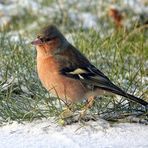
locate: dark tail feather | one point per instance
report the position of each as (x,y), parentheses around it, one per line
(114,89)
(131,97)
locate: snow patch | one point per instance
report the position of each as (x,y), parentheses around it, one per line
(46,133)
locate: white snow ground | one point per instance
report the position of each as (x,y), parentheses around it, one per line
(98,134)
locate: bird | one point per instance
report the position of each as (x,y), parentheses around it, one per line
(65,72)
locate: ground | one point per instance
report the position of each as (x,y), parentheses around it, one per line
(47,134)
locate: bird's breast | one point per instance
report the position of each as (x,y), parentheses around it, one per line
(47,69)
(62,86)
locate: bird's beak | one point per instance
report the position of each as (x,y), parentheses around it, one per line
(37,42)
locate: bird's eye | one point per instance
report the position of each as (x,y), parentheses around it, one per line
(44,39)
(47,39)
(40,38)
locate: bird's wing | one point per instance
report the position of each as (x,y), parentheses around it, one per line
(75,65)
(91,76)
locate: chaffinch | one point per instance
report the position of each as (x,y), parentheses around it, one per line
(67,73)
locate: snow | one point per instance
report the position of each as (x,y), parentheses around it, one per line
(137,6)
(47,133)
(76,10)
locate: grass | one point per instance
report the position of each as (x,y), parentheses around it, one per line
(122,56)
(23,98)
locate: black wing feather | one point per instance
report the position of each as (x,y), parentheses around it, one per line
(92,76)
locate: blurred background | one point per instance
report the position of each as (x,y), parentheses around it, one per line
(25,16)
(113,34)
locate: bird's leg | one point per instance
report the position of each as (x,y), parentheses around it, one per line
(88,105)
(67,111)
(69,115)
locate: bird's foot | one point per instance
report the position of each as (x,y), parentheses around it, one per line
(66,113)
(71,115)
(85,115)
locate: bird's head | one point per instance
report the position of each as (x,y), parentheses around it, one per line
(50,40)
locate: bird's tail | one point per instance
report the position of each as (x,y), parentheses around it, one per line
(116,90)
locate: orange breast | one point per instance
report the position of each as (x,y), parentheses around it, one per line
(59,85)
